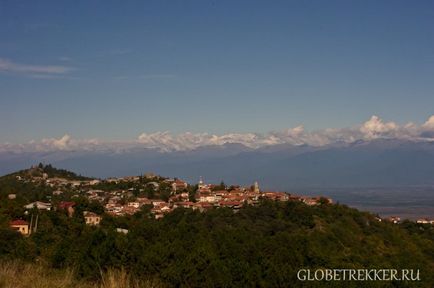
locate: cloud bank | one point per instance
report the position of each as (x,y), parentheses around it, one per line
(374,128)
(9,66)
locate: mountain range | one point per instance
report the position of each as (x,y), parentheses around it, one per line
(376,162)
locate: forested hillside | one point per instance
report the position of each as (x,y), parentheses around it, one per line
(261,246)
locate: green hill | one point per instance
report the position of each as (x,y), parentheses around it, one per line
(52,172)
(261,246)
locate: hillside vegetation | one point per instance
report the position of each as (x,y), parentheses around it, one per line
(258,246)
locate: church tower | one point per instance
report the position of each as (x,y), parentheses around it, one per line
(200,184)
(256,187)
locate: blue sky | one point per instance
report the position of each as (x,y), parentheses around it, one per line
(113,70)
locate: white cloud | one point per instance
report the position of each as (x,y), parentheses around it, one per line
(429,124)
(61,143)
(374,128)
(299,130)
(32,70)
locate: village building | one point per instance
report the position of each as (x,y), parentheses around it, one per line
(57,192)
(94,182)
(91,218)
(38,205)
(122,230)
(203,206)
(134,204)
(186,204)
(157,202)
(277,196)
(67,206)
(393,219)
(179,185)
(129,210)
(20,226)
(231,204)
(207,197)
(144,201)
(423,221)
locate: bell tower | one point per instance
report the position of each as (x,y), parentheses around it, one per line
(256,187)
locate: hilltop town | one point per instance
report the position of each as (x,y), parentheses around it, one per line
(129,195)
(155,195)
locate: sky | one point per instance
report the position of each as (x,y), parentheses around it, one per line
(113,70)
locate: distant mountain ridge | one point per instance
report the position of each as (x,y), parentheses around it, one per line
(385,162)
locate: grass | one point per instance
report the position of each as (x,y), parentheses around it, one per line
(16,274)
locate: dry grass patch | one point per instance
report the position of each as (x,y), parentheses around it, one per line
(25,275)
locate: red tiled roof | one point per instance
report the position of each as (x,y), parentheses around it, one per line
(184,203)
(65,204)
(220,191)
(230,203)
(18,222)
(204,204)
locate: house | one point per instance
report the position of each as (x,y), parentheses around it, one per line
(67,206)
(394,219)
(187,204)
(179,185)
(74,183)
(130,178)
(207,197)
(155,185)
(94,182)
(130,210)
(292,197)
(423,221)
(310,201)
(157,202)
(134,204)
(281,196)
(12,196)
(231,204)
(20,226)
(114,209)
(144,201)
(38,205)
(122,230)
(165,209)
(91,218)
(113,180)
(202,206)
(149,175)
(114,199)
(57,192)
(317,200)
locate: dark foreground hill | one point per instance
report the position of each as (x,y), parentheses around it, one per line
(261,246)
